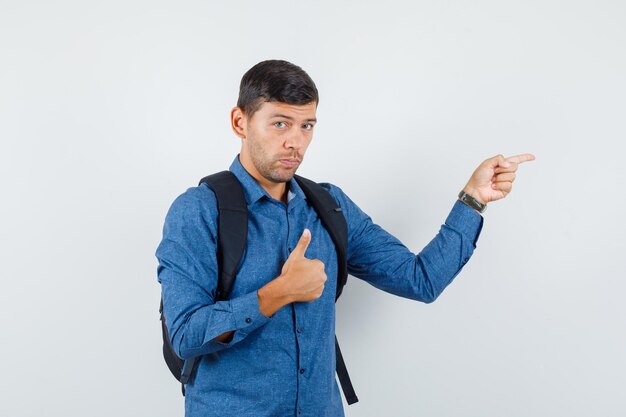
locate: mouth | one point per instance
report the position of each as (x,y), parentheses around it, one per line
(289,162)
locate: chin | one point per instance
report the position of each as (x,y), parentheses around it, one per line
(283,174)
(279,179)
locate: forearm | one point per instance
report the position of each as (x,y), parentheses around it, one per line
(199,326)
(218,325)
(446,254)
(273,296)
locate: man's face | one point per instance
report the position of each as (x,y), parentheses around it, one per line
(276,138)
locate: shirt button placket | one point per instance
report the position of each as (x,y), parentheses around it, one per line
(299,329)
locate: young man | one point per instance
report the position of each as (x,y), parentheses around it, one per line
(269,350)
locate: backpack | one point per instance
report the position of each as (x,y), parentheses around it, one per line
(232,235)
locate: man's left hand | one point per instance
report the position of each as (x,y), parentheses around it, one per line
(493,179)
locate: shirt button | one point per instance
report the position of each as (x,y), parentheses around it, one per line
(299,330)
(299,411)
(301,370)
(248,320)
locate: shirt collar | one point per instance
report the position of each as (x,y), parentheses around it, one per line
(253,190)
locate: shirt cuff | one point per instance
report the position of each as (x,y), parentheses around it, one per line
(466,220)
(247,313)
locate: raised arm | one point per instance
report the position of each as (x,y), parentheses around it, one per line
(379,258)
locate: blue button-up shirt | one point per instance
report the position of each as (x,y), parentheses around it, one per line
(283,365)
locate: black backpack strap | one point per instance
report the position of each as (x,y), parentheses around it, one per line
(344,378)
(232,228)
(335,223)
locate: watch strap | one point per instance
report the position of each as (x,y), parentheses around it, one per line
(472,202)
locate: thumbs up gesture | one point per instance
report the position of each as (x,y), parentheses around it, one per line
(303,278)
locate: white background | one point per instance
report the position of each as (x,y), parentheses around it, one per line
(109,110)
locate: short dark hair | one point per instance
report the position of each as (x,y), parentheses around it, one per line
(275,80)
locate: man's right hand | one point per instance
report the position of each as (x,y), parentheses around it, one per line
(303,278)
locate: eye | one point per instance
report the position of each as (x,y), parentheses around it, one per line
(277,123)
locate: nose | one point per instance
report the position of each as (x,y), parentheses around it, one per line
(295,140)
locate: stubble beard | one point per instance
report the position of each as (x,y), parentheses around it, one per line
(266,164)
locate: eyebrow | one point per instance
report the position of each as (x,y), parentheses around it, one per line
(290,118)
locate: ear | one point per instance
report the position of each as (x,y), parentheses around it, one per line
(238,122)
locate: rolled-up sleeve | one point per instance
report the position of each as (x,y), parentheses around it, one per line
(379,258)
(187,272)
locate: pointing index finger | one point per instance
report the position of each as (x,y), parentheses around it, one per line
(518,159)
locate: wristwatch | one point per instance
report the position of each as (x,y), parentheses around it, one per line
(472,202)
